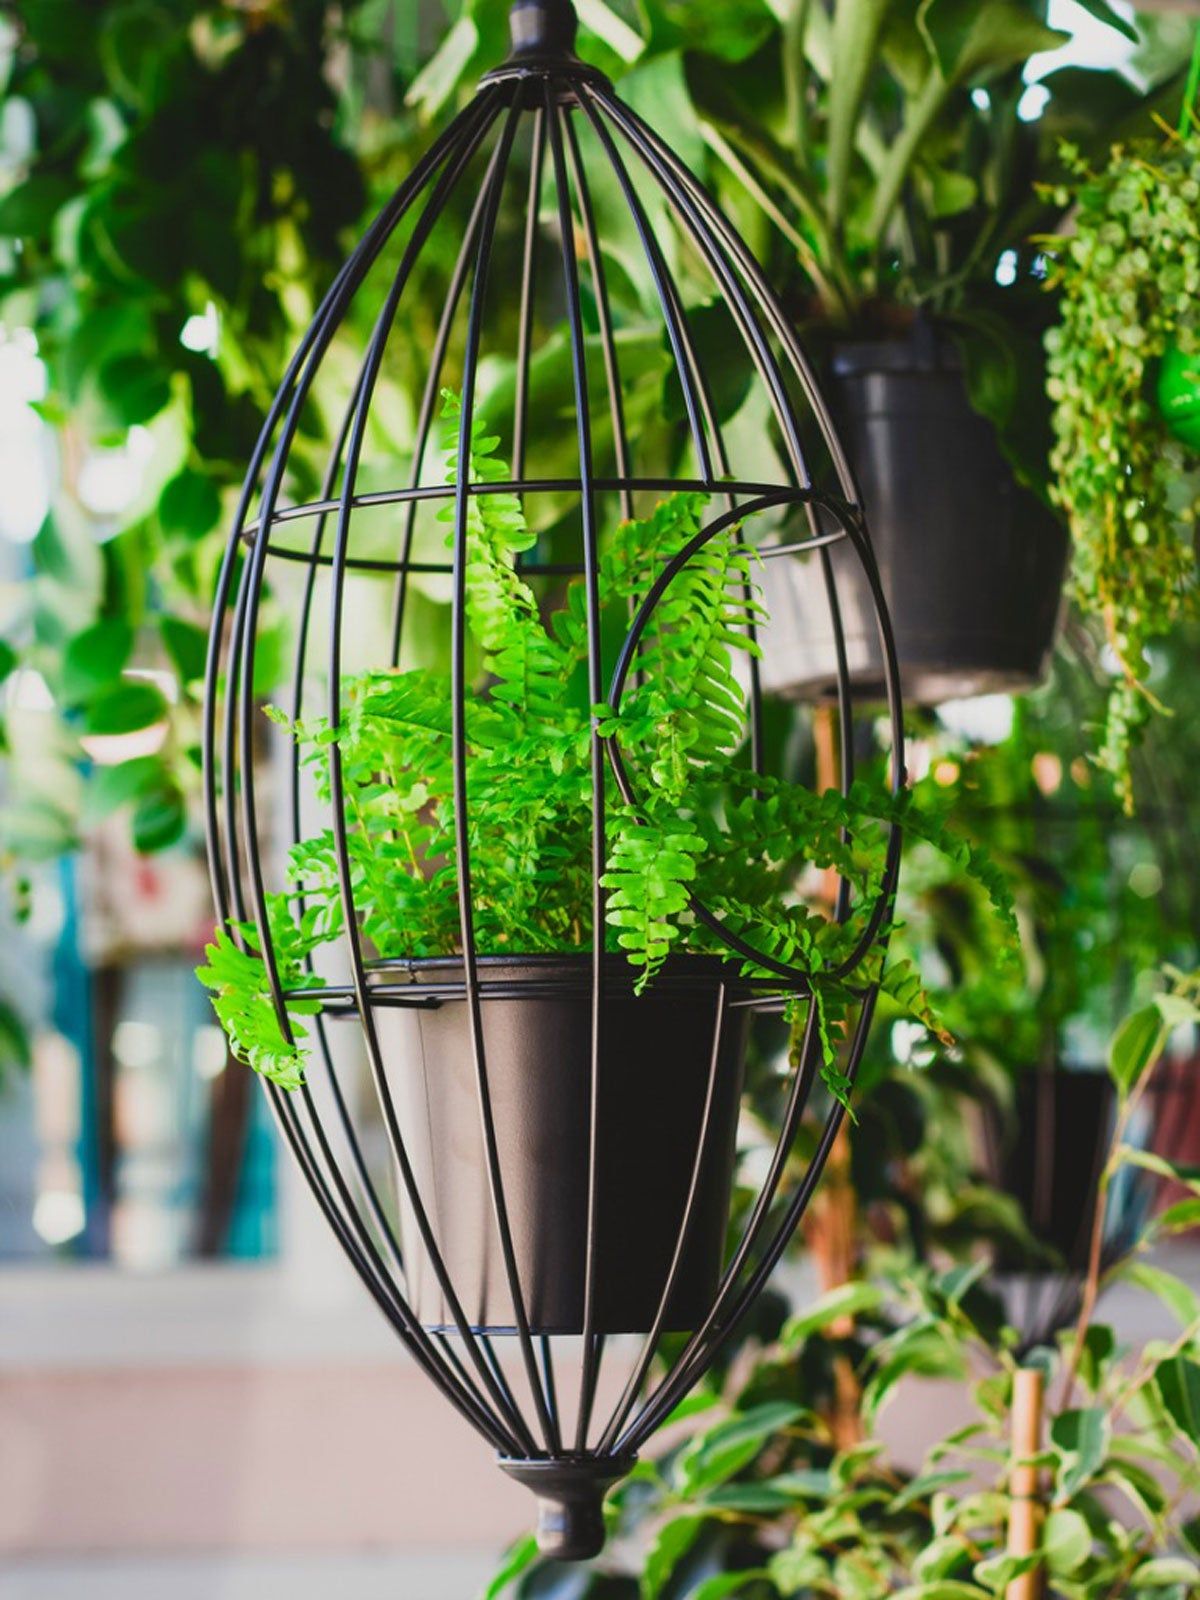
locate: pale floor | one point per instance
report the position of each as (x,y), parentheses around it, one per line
(432,1576)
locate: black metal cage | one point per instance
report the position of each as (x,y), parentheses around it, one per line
(484,1190)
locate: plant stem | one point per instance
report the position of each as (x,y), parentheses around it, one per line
(1091,1282)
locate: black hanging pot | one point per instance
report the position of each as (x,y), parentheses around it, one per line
(655,1065)
(972,563)
(1051,1158)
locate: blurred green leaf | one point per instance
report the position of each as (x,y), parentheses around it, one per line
(1178,1382)
(1137,1043)
(135,388)
(1079,1439)
(159,820)
(671,1544)
(723,1450)
(1066,1540)
(114,786)
(125,707)
(95,657)
(189,504)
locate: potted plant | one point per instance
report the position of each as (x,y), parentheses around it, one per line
(707,829)
(902,176)
(1125,390)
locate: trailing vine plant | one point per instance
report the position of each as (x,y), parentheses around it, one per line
(705,824)
(1129,280)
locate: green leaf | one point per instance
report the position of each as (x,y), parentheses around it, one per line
(943,1589)
(189,504)
(159,820)
(113,787)
(187,646)
(1178,1382)
(847,1300)
(27,211)
(1184,1214)
(728,1583)
(1189,1176)
(1079,1439)
(855,40)
(94,658)
(124,707)
(8,660)
(1066,1540)
(1161,1572)
(15,1046)
(671,1544)
(1137,1043)
(518,1559)
(717,1454)
(1181,1300)
(135,388)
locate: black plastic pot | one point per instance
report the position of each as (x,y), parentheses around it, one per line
(1051,1161)
(655,1060)
(972,563)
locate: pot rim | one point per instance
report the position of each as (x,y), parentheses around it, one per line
(547,974)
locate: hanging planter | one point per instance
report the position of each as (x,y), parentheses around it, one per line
(1122,376)
(533,871)
(972,563)
(1048,1155)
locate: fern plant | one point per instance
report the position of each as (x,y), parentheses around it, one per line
(704,825)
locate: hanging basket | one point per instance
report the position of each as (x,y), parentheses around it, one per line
(972,563)
(513,1095)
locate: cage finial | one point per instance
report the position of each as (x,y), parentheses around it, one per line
(543,29)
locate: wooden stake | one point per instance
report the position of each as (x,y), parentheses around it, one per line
(1025,1514)
(831,1222)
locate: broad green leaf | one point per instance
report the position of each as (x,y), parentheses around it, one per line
(797,1569)
(1180,1299)
(187,646)
(604,22)
(95,658)
(1137,1043)
(135,389)
(124,707)
(1149,1161)
(672,1543)
(1178,1382)
(728,1584)
(716,1455)
(518,1559)
(1162,1572)
(27,211)
(1080,1441)
(847,1300)
(112,787)
(855,40)
(159,820)
(969,41)
(189,504)
(927,1483)
(1184,1214)
(1066,1540)
(998,1571)
(8,659)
